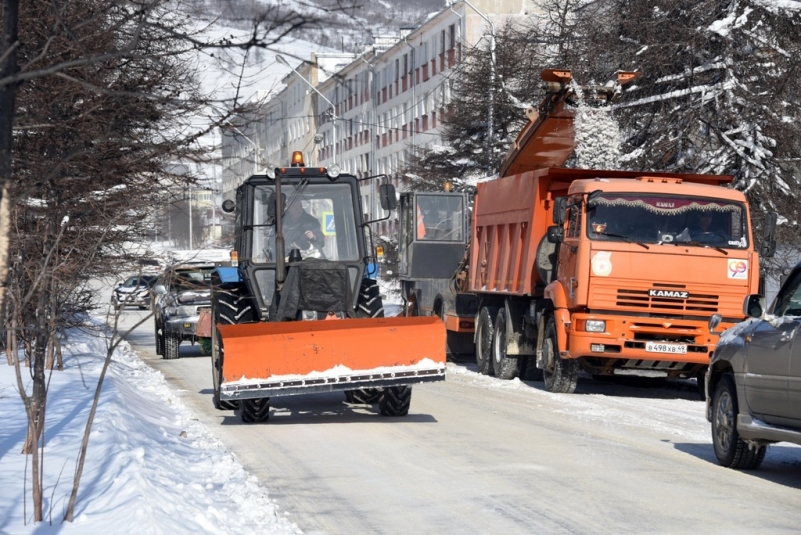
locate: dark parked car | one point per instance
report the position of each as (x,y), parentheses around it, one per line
(180,292)
(754,379)
(134,291)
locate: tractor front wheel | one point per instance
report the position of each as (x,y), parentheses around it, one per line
(369,305)
(254,411)
(396,401)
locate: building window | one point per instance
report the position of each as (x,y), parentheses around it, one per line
(442,43)
(451,36)
(397,69)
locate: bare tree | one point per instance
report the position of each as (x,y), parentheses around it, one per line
(101,105)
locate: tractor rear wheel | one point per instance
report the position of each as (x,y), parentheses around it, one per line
(253,411)
(369,305)
(228,307)
(395,401)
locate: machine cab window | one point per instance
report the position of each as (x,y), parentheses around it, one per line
(318,221)
(440,218)
(668,219)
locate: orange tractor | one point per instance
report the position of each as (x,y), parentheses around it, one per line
(298,312)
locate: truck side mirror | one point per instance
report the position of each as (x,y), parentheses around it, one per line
(555,234)
(754,306)
(769,235)
(559,210)
(228,206)
(386,193)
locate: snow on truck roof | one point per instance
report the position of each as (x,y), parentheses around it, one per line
(651,184)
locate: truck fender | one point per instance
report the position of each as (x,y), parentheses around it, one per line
(562,323)
(556,294)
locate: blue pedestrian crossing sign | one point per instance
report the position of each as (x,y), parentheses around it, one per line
(329,228)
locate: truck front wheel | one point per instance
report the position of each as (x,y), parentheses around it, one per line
(485,332)
(560,375)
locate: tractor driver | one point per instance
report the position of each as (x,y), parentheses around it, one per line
(301,230)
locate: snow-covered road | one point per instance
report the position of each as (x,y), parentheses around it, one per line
(480,455)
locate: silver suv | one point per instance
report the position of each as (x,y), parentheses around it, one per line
(179,294)
(753,382)
(134,291)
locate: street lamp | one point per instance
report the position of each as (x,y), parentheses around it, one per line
(255,146)
(280,59)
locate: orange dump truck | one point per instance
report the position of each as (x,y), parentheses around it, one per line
(613,272)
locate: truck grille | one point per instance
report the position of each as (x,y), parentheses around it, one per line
(641,299)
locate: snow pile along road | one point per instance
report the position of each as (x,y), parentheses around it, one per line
(150,467)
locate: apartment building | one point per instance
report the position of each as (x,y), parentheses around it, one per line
(367,112)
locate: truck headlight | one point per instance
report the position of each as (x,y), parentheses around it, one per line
(595,326)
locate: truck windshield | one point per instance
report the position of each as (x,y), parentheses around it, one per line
(439,218)
(318,221)
(666,219)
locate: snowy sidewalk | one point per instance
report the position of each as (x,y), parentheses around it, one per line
(150,467)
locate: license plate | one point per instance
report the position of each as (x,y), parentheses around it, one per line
(659,347)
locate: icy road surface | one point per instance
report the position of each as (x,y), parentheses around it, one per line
(481,455)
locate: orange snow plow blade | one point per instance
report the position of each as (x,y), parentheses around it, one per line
(285,358)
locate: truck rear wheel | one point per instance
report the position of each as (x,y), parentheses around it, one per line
(228,307)
(485,332)
(560,375)
(172,344)
(395,401)
(505,367)
(253,411)
(369,305)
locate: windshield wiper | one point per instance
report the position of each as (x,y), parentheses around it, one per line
(699,244)
(624,238)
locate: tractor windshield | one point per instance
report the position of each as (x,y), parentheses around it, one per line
(666,219)
(318,221)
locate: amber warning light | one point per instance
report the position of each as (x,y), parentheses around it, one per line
(297,159)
